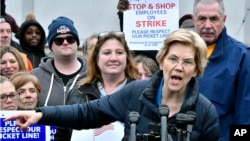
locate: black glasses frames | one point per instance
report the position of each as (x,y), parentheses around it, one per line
(12,96)
(59,41)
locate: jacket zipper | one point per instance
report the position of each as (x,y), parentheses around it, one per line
(64,94)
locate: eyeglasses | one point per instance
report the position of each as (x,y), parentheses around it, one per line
(12,96)
(185,62)
(70,39)
(105,33)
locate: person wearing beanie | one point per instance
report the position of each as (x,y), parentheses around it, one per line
(60,72)
(32,39)
(62,25)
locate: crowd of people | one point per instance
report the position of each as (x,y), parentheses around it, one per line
(199,68)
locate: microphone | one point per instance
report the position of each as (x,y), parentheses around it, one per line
(133,118)
(164,111)
(181,123)
(192,118)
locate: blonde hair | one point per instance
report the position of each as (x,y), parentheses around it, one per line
(186,37)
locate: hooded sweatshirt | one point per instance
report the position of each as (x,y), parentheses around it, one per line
(54,92)
(34,53)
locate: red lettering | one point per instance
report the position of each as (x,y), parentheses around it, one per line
(137,6)
(137,24)
(165,5)
(156,23)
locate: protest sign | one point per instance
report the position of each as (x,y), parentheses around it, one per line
(10,132)
(148,22)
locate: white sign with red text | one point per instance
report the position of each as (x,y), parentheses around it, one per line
(148,22)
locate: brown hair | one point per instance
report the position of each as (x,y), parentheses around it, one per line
(93,71)
(147,63)
(85,44)
(16,53)
(21,78)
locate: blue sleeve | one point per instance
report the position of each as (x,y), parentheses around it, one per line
(242,101)
(211,126)
(91,114)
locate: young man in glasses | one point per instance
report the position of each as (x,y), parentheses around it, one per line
(59,74)
(8,95)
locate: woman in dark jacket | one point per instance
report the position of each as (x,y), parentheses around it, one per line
(181,59)
(110,67)
(32,40)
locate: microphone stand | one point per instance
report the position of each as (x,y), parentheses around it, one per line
(192,118)
(180,134)
(164,111)
(185,122)
(181,123)
(133,118)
